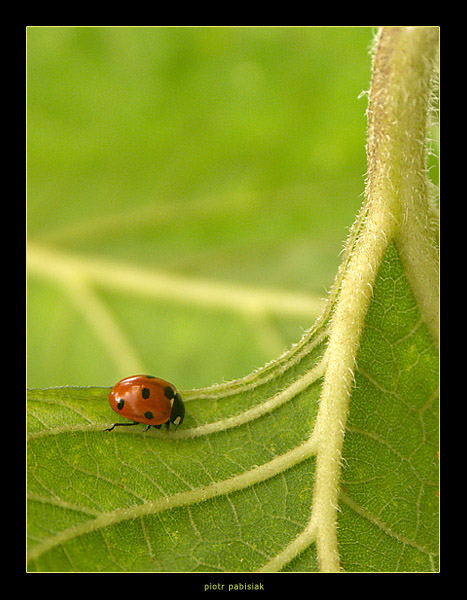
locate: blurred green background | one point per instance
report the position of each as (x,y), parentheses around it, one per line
(233,156)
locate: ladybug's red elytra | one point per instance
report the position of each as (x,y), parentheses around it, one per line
(146,399)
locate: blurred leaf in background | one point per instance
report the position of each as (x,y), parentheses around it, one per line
(189,193)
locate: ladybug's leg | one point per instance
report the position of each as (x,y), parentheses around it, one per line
(149,427)
(167,425)
(122,425)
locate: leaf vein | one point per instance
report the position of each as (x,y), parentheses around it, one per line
(233,484)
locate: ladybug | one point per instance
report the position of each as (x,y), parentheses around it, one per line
(146,399)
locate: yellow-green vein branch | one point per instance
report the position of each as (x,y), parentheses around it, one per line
(200,494)
(135,280)
(244,417)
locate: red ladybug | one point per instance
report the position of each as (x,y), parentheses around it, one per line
(146,399)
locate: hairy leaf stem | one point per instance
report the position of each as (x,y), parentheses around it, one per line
(395,210)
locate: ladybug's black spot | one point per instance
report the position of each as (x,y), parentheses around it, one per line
(148,414)
(120,404)
(145,393)
(150,376)
(169,393)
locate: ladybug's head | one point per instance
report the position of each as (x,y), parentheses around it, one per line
(178,410)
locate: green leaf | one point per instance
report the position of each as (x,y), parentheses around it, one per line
(324,459)
(159,152)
